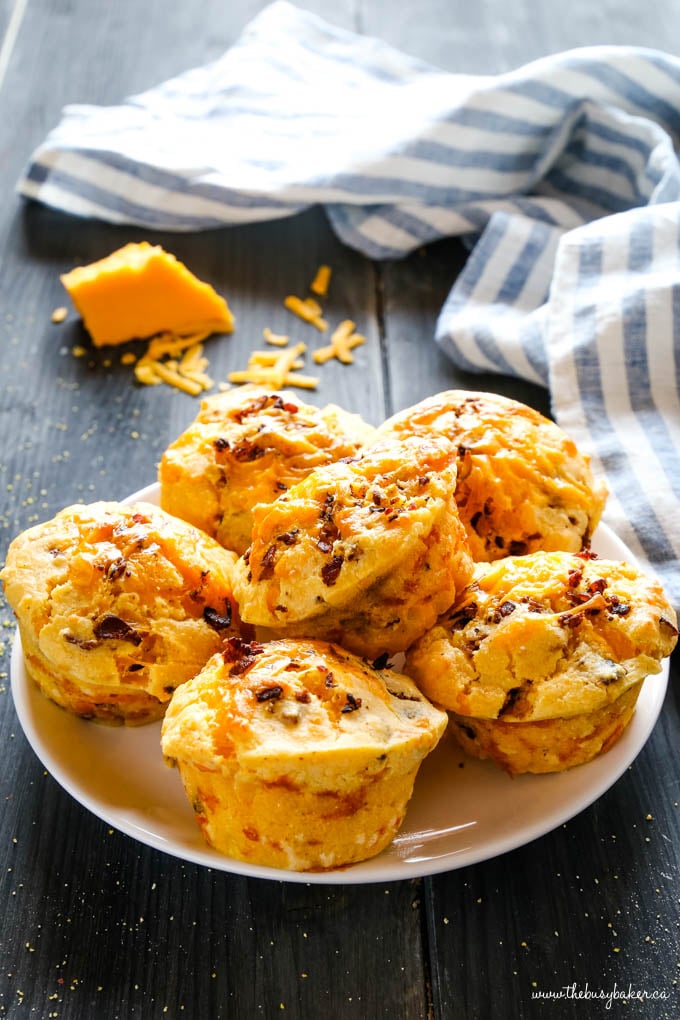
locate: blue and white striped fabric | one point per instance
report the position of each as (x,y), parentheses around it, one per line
(564,170)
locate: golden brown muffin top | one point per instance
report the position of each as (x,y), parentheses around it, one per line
(281,421)
(120,583)
(522,482)
(107,549)
(264,442)
(293,705)
(544,636)
(343,527)
(248,446)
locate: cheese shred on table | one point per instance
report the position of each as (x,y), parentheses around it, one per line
(274,339)
(178,360)
(276,370)
(319,284)
(343,340)
(308,310)
(187,374)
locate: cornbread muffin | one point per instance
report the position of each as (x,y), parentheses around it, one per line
(541,659)
(116,606)
(248,448)
(522,483)
(366,552)
(298,754)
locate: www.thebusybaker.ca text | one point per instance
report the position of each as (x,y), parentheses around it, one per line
(616,993)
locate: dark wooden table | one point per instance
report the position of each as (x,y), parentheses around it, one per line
(96,925)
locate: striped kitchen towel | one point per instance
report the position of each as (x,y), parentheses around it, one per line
(563,172)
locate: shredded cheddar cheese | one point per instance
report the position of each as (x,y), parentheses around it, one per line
(193,367)
(263,377)
(263,359)
(308,310)
(275,339)
(171,344)
(168,372)
(145,373)
(319,284)
(276,370)
(343,340)
(187,374)
(177,358)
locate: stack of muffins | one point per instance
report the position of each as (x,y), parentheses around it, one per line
(295,552)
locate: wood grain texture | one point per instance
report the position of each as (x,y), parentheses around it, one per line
(95,925)
(595,904)
(490,37)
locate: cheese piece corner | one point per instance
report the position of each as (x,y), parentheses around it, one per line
(140,290)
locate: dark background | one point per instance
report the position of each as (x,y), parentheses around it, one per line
(95,925)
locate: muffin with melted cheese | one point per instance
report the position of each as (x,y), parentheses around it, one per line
(366,552)
(117,605)
(541,659)
(246,448)
(522,483)
(298,754)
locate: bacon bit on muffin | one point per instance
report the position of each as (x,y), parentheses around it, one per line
(215,619)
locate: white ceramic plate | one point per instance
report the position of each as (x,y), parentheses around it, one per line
(463,811)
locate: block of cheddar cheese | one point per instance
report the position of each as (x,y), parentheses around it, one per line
(141,290)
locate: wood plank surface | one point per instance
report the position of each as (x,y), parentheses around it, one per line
(594,905)
(96,926)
